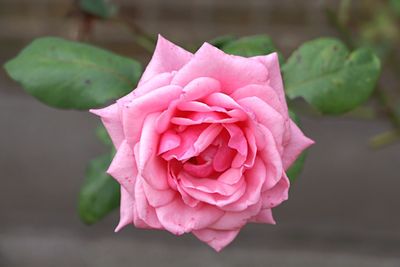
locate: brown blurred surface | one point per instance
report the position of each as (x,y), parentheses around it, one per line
(343,210)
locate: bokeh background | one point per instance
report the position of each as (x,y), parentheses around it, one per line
(344,210)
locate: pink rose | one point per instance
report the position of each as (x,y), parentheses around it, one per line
(203,143)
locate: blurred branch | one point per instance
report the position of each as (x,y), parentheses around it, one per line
(142,38)
(385,139)
(340,20)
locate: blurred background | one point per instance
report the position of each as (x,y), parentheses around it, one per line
(343,209)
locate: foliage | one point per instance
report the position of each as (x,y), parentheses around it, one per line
(73,75)
(329,77)
(100,192)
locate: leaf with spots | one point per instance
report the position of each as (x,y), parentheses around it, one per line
(329,77)
(72,75)
(100,193)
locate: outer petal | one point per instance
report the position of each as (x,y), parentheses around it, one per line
(271,62)
(265,216)
(123,168)
(276,195)
(178,218)
(236,220)
(111,118)
(126,209)
(298,142)
(217,239)
(265,93)
(167,57)
(231,71)
(144,211)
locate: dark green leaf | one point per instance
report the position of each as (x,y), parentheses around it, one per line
(294,171)
(395,5)
(221,41)
(250,46)
(100,193)
(103,135)
(66,74)
(329,77)
(100,8)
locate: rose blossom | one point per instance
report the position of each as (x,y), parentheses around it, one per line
(203,143)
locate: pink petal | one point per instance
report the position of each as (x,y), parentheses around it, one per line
(110,116)
(157,198)
(211,186)
(237,139)
(297,144)
(169,140)
(126,210)
(272,159)
(164,120)
(205,138)
(271,62)
(137,110)
(263,92)
(129,213)
(266,116)
(167,57)
(151,167)
(178,218)
(236,220)
(252,152)
(199,170)
(159,80)
(277,194)
(231,176)
(203,117)
(254,178)
(188,137)
(145,212)
(198,107)
(231,71)
(200,87)
(217,239)
(265,216)
(221,100)
(223,158)
(216,199)
(123,167)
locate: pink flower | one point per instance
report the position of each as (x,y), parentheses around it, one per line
(203,143)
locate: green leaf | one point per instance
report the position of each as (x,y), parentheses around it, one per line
(100,8)
(103,135)
(100,193)
(220,41)
(329,77)
(395,5)
(66,74)
(294,171)
(250,46)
